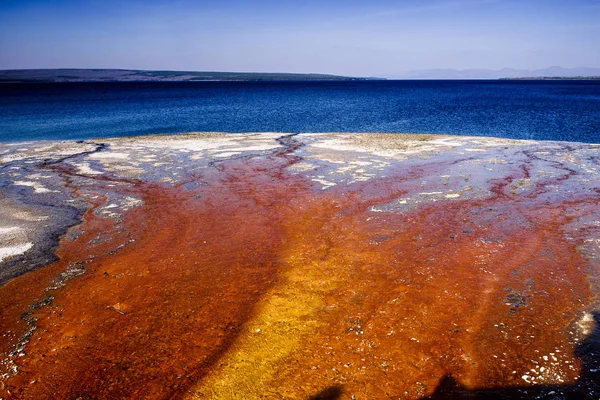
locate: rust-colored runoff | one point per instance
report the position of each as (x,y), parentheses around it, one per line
(258,285)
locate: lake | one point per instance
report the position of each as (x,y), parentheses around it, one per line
(540,110)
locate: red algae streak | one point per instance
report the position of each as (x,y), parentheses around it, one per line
(259,285)
(421,300)
(149,319)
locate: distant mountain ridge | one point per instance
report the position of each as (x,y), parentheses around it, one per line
(130,75)
(501,73)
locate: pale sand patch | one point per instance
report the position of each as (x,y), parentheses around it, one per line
(110,155)
(361,163)
(227,154)
(48,149)
(6,252)
(381,144)
(198,142)
(130,202)
(38,176)
(302,166)
(27,216)
(84,168)
(251,147)
(332,158)
(129,140)
(13,241)
(37,187)
(127,171)
(325,184)
(396,145)
(7,230)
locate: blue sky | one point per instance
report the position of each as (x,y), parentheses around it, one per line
(361,38)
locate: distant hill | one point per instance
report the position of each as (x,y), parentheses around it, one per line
(128,75)
(555,78)
(511,73)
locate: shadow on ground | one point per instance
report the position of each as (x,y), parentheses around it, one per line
(331,393)
(587,386)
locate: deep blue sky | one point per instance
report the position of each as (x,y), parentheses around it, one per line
(369,37)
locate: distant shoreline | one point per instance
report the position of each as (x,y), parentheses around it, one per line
(126,75)
(75,75)
(554,78)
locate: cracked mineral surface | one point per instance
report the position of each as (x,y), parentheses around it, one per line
(326,265)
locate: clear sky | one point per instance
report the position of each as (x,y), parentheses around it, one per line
(350,37)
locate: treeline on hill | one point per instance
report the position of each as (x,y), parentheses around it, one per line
(122,75)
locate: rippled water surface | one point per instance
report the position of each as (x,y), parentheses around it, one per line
(542,110)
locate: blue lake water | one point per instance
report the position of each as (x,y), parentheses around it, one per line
(541,110)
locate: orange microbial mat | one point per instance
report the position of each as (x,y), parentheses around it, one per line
(331,267)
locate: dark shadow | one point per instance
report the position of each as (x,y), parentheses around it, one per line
(331,393)
(587,386)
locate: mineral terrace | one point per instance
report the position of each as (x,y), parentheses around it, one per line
(311,266)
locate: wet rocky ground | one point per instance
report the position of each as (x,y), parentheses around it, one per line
(271,265)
